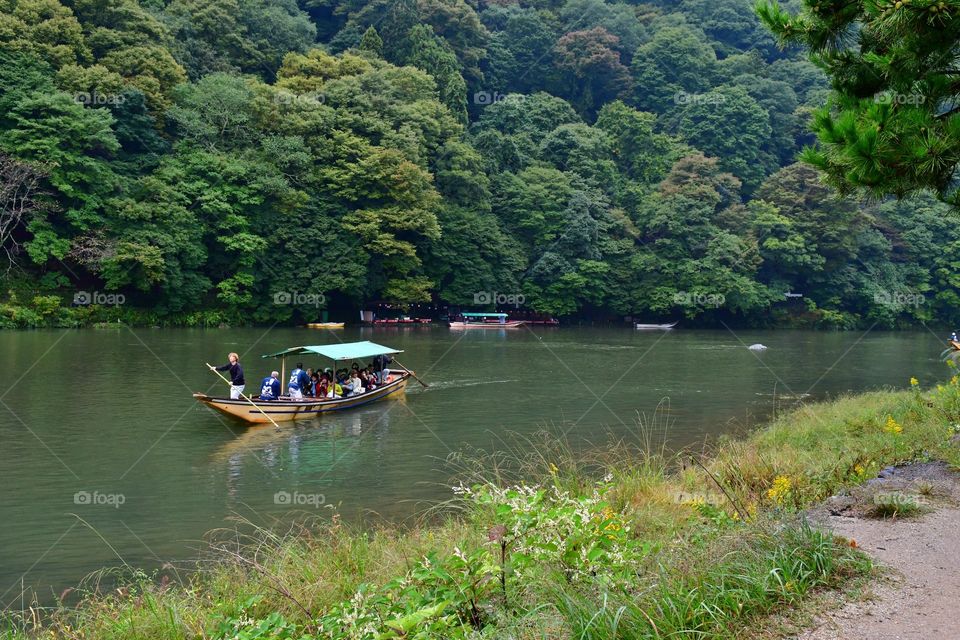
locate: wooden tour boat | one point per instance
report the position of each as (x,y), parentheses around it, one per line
(486,321)
(252,409)
(324,325)
(655,327)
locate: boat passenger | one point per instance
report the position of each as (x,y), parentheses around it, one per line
(237,382)
(323,385)
(314,384)
(367,379)
(356,385)
(270,386)
(335,390)
(298,382)
(953,336)
(380,364)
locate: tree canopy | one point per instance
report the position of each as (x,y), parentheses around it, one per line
(601,158)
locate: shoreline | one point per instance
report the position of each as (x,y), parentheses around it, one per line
(500,546)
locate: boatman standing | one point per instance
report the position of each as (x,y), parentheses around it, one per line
(270,387)
(298,382)
(236,375)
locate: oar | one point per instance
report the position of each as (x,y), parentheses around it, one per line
(425,385)
(214,369)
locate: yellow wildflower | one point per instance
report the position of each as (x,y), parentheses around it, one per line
(858,468)
(893,426)
(954,380)
(553,469)
(914,382)
(779,490)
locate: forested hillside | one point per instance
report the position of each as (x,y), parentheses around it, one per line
(201,160)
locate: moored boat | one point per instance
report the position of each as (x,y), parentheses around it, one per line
(404,321)
(485,321)
(655,327)
(325,325)
(252,409)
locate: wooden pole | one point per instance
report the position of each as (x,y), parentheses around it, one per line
(214,369)
(425,385)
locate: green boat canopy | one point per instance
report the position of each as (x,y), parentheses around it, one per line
(484,315)
(340,351)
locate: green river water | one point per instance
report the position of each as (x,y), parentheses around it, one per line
(107,460)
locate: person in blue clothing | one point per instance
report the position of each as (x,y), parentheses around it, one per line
(299,380)
(270,387)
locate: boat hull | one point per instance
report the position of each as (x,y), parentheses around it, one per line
(513,324)
(404,322)
(286,410)
(325,325)
(655,327)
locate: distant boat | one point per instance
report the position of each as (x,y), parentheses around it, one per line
(324,325)
(252,409)
(486,321)
(404,321)
(655,327)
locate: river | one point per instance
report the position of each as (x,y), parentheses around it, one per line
(107,460)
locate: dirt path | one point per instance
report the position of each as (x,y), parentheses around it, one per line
(919,595)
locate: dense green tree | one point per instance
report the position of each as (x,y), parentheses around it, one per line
(39,124)
(520,53)
(595,73)
(677,62)
(432,54)
(209,156)
(641,153)
(617,18)
(245,35)
(728,124)
(892,126)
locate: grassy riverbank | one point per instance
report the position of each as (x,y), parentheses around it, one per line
(620,543)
